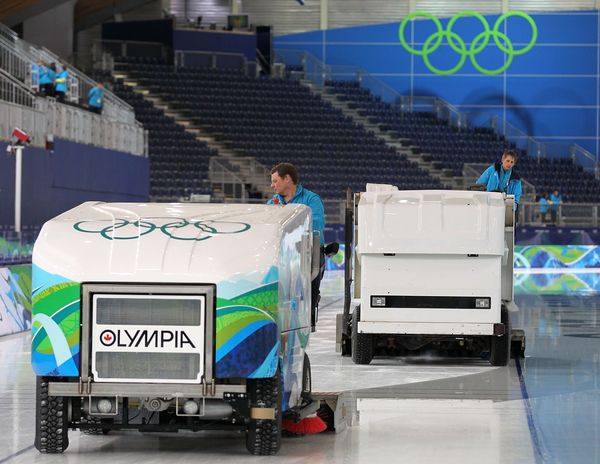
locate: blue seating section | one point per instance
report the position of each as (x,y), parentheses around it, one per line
(278,120)
(178,162)
(450,148)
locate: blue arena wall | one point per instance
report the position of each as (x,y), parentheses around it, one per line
(54,182)
(550,93)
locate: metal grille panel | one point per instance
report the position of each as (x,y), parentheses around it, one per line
(148,311)
(343,13)
(285,16)
(159,366)
(448,8)
(549,5)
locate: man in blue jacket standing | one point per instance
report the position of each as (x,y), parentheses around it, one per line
(284,180)
(46,81)
(501,177)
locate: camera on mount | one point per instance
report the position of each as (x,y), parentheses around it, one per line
(20,138)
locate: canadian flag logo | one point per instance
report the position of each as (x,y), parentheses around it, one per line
(107,337)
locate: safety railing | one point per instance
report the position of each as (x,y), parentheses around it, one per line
(563,214)
(335,211)
(7,33)
(14,91)
(224,181)
(71,123)
(135,48)
(22,64)
(214,60)
(12,62)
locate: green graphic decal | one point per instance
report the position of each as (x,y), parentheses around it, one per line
(55,324)
(175,228)
(478,44)
(247,333)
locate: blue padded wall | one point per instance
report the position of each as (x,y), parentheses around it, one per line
(551,93)
(73,173)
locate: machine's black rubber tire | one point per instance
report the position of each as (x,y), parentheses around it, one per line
(306,377)
(91,420)
(95,420)
(263,436)
(51,420)
(362,344)
(500,346)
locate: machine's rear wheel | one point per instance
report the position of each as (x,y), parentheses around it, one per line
(51,420)
(362,344)
(263,436)
(500,346)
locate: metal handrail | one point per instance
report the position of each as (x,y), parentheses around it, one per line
(47,116)
(180,61)
(14,91)
(7,33)
(229,182)
(563,214)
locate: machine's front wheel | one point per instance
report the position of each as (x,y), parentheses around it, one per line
(500,346)
(51,420)
(263,436)
(361,344)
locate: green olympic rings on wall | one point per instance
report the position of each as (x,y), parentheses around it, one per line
(458,45)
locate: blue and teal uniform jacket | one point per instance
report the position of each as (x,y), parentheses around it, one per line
(496,179)
(306,197)
(95,96)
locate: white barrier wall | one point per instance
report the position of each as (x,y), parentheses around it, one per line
(15,299)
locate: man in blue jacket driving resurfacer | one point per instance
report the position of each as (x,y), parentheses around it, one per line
(502,177)
(284,181)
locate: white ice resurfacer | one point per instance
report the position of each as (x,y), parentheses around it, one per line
(430,268)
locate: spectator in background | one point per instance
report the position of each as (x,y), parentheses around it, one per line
(60,84)
(555,200)
(47,75)
(501,177)
(95,98)
(543,201)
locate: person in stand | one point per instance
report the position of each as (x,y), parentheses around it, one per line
(543,201)
(284,181)
(95,98)
(47,75)
(60,84)
(555,200)
(502,177)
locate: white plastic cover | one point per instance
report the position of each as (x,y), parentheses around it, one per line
(431,222)
(166,242)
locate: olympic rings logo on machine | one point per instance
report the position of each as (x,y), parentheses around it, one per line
(458,45)
(181,229)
